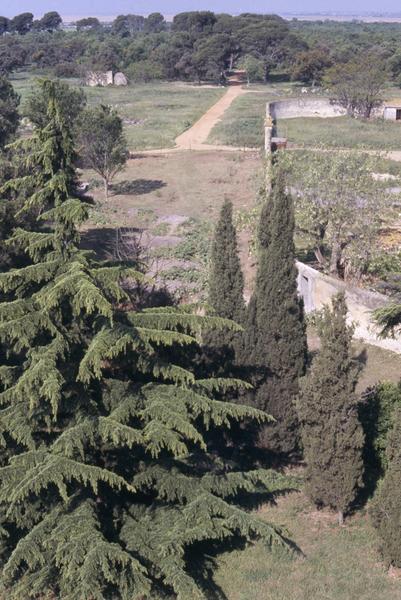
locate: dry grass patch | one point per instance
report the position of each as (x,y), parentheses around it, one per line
(337,563)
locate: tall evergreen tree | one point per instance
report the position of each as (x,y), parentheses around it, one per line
(105,479)
(386,507)
(332,435)
(9,121)
(226,294)
(9,117)
(226,281)
(275,346)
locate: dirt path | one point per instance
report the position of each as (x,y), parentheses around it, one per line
(198,134)
(195,137)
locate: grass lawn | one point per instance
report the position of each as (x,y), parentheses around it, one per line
(338,563)
(242,124)
(154,114)
(343,132)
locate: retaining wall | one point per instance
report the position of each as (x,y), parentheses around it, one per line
(317,289)
(303,107)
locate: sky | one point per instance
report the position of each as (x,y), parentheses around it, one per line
(169,7)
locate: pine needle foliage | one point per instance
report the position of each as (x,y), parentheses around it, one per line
(275,347)
(332,435)
(106,480)
(386,507)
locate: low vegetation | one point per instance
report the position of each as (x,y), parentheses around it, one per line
(341,132)
(153,114)
(336,564)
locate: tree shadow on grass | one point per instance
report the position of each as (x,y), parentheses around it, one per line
(203,560)
(136,187)
(104,241)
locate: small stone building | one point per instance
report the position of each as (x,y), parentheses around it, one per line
(103,79)
(392,110)
(120,79)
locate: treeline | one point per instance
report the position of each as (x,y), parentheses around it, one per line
(198,45)
(195,46)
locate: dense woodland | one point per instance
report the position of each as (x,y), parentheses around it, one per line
(137,434)
(195,46)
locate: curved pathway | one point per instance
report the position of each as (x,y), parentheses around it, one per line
(195,137)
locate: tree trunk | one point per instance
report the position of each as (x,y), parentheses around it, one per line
(335,258)
(106,189)
(340,515)
(319,255)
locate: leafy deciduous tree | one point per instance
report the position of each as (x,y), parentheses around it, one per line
(339,207)
(358,85)
(310,65)
(102,144)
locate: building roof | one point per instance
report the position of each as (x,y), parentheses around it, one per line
(393,103)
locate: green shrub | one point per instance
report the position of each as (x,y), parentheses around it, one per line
(145,71)
(376,415)
(386,507)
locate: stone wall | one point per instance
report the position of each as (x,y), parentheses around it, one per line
(303,107)
(317,289)
(390,113)
(103,79)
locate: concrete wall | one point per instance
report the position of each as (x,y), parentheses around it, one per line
(390,113)
(303,107)
(317,289)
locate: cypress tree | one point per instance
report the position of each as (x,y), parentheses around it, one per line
(9,117)
(226,281)
(105,477)
(275,347)
(386,507)
(226,295)
(332,435)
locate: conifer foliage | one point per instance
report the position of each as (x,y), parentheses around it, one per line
(105,477)
(332,435)
(9,117)
(226,282)
(386,508)
(275,341)
(226,294)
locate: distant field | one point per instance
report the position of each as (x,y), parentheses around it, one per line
(154,114)
(342,132)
